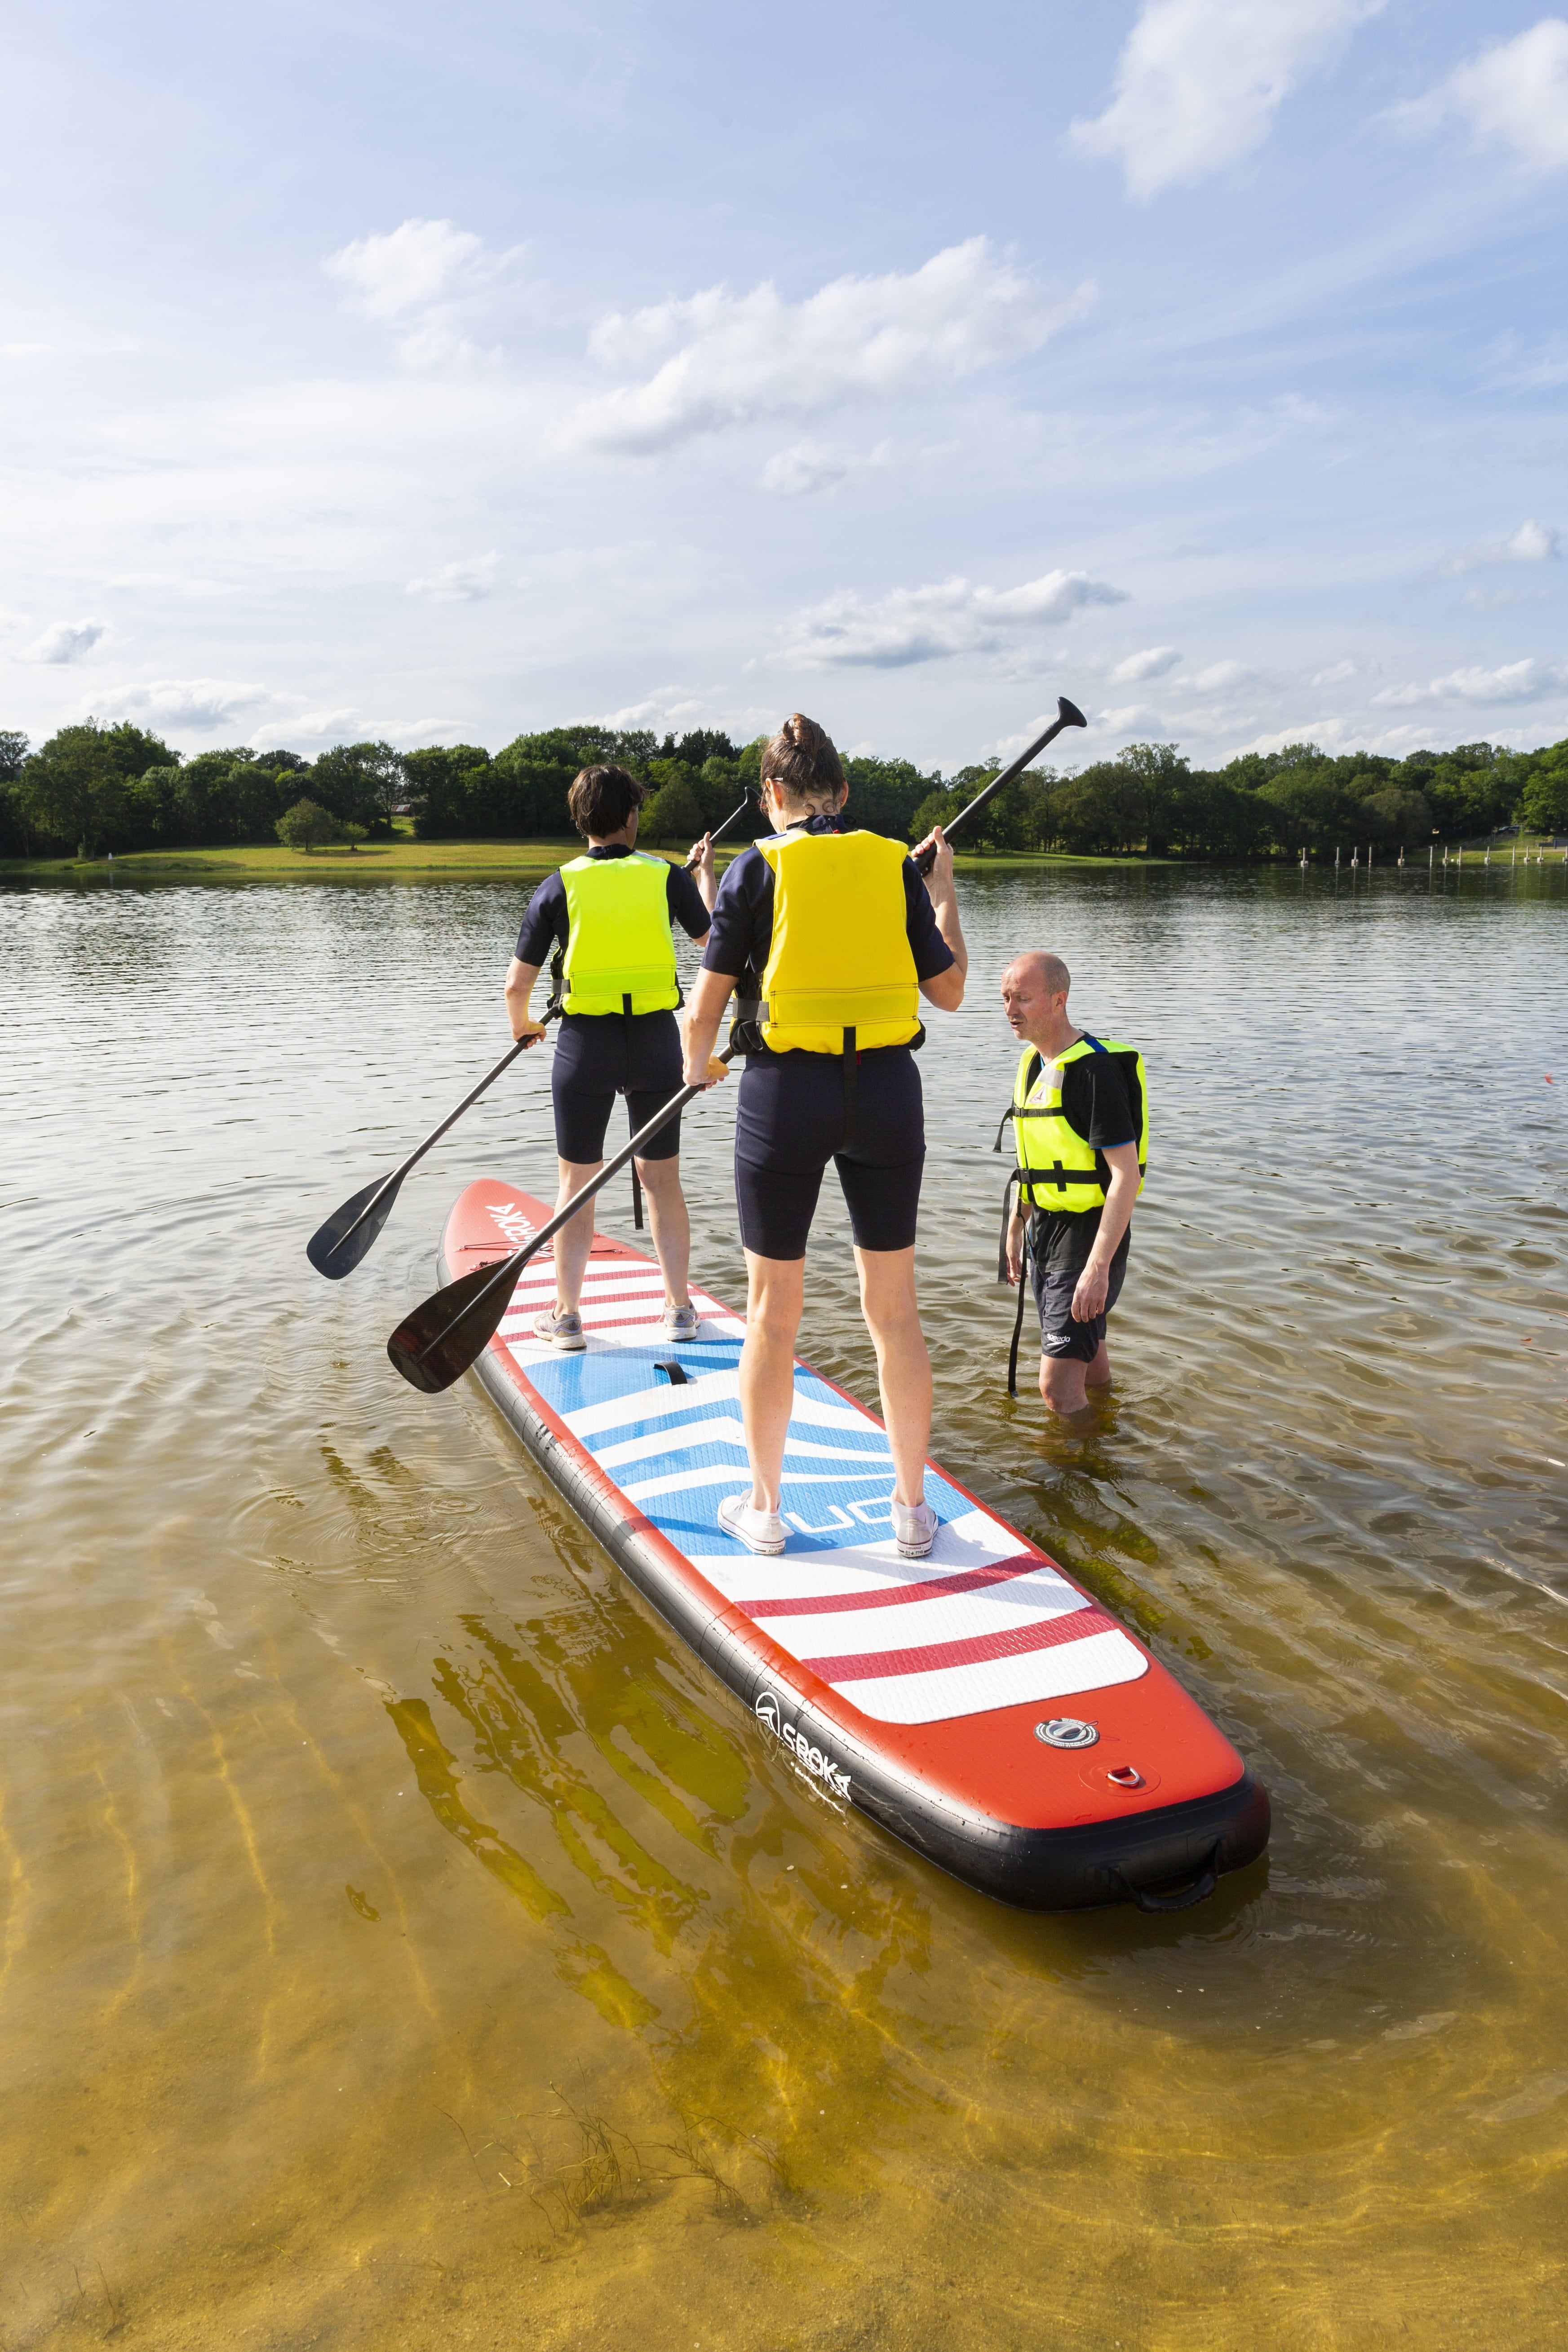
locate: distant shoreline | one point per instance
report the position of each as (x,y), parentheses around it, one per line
(414,861)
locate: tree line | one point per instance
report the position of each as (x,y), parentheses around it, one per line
(91,789)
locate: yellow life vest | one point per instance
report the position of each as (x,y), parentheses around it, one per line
(620,955)
(840,977)
(1057,1169)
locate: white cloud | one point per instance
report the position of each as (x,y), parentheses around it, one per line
(726,359)
(1199,81)
(198,702)
(1520,681)
(1513,96)
(1220,674)
(1129,716)
(310,726)
(65,641)
(465,581)
(411,268)
(947,617)
(422,278)
(1532,542)
(1154,663)
(795,473)
(1335,675)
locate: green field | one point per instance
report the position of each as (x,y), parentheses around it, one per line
(392,861)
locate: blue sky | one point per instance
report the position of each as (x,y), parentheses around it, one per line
(443,373)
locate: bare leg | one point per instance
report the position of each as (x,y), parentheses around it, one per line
(573,1241)
(1062,1384)
(660,1180)
(1098,1374)
(775,1289)
(903,1367)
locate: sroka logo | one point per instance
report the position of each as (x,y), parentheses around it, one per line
(514,1224)
(768,1710)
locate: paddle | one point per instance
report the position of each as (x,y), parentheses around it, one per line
(449,1330)
(336,1247)
(718,829)
(1069,715)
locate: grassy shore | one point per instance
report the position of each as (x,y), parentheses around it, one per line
(403,860)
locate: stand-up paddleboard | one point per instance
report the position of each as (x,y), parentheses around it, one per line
(978,1704)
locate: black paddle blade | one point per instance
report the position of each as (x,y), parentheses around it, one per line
(451,1330)
(1070,715)
(336,1247)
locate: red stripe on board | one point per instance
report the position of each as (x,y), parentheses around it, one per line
(865,1665)
(962,1580)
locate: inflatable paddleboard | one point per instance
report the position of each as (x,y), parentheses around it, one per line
(978,1704)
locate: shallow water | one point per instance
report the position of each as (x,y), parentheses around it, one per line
(406,1944)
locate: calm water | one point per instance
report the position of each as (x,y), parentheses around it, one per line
(403,1945)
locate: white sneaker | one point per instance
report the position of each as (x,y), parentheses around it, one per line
(761,1531)
(914,1528)
(562,1326)
(679,1322)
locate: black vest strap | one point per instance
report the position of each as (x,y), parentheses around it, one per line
(851,1072)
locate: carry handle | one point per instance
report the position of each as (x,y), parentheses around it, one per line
(1184,1898)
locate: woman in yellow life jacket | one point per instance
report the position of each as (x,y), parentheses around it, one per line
(1080,1127)
(608,915)
(834,940)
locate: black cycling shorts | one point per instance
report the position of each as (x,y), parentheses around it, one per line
(1059,1243)
(599,1056)
(792,1119)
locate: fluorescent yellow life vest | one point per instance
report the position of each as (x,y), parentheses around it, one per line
(620,956)
(840,977)
(1057,1169)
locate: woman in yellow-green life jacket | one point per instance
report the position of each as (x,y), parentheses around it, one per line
(833,940)
(1080,1127)
(609,917)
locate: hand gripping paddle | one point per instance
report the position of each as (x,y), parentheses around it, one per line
(1069,715)
(449,1330)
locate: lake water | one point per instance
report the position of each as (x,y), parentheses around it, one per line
(405,1944)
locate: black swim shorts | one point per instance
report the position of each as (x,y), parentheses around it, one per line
(1061,1241)
(792,1119)
(601,1054)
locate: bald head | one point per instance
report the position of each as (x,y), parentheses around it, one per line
(1034,999)
(1040,971)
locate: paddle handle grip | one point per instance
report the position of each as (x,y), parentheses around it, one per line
(1070,716)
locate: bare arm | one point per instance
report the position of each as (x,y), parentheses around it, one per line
(520,980)
(946,989)
(703,1014)
(1089,1298)
(700,866)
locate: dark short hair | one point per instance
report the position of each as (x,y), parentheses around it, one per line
(601,800)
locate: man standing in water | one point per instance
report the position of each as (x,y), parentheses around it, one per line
(1081,1120)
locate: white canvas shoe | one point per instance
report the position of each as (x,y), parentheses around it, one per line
(760,1531)
(914,1528)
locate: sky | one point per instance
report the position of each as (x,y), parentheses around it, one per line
(440,374)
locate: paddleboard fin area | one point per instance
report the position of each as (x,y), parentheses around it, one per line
(977,1703)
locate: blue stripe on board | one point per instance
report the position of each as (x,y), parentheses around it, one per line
(828,1503)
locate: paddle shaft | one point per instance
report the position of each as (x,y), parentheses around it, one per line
(926,858)
(728,821)
(417,1154)
(510,1269)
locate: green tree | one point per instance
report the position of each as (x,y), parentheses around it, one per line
(1543,803)
(1397,814)
(362,783)
(73,788)
(447,790)
(674,813)
(308,826)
